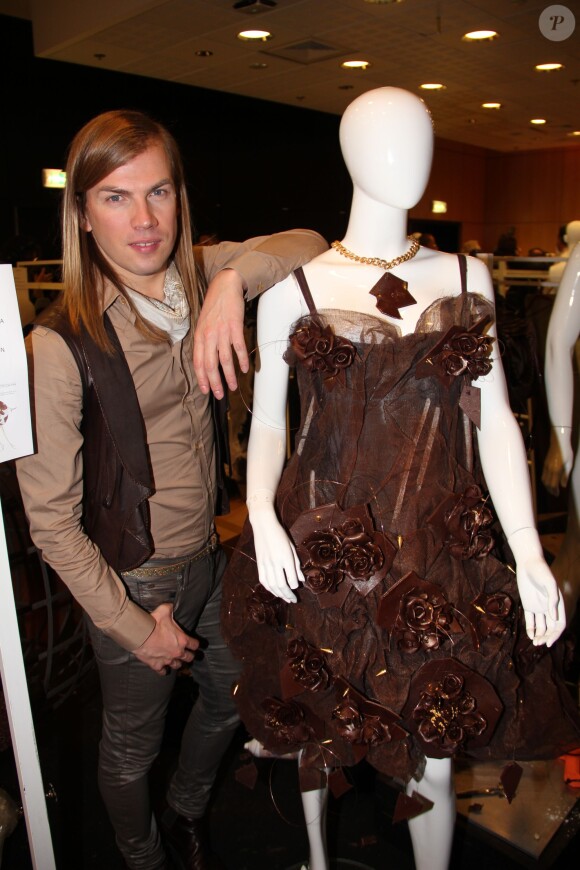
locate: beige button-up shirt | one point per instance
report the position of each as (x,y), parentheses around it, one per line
(180,440)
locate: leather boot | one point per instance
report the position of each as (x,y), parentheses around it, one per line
(186,841)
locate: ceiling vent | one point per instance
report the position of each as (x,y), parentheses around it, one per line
(307,51)
(254,7)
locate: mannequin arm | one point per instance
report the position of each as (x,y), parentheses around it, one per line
(563,331)
(505,468)
(277,562)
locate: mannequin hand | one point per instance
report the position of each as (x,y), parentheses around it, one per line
(542,602)
(278,565)
(557,469)
(220,327)
(167,645)
(540,596)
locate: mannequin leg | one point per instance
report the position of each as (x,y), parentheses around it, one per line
(314,804)
(258,751)
(432,832)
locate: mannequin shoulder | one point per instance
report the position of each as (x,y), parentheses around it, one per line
(281,305)
(439,273)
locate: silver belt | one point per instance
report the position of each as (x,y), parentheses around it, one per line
(150,569)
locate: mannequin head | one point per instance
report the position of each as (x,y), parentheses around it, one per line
(572,233)
(386,136)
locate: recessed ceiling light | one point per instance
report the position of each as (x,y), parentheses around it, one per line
(355,64)
(480,35)
(263,35)
(202,52)
(433,86)
(548,67)
(538,121)
(491,105)
(574,133)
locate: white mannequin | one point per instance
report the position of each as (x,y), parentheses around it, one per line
(571,237)
(387,143)
(563,331)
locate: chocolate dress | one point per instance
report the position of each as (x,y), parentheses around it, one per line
(408,637)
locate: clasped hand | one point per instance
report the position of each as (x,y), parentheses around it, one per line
(168,646)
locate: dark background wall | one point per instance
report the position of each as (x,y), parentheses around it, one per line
(253,167)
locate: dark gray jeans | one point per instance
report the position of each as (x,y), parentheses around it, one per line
(135,701)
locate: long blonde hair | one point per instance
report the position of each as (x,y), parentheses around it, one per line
(104,144)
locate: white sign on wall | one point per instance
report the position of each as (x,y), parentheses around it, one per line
(15,441)
(15,429)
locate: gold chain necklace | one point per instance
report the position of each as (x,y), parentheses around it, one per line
(376,261)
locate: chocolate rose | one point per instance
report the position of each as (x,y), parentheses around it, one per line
(417,611)
(424,621)
(452,363)
(453,736)
(409,641)
(493,614)
(308,665)
(264,608)
(318,349)
(342,354)
(287,719)
(430,640)
(473,723)
(342,546)
(374,731)
(465,343)
(468,524)
(358,727)
(349,720)
(499,604)
(352,530)
(477,368)
(321,580)
(361,559)
(447,714)
(459,352)
(324,547)
(451,686)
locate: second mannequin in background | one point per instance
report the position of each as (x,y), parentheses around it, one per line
(562,390)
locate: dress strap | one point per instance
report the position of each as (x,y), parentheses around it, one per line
(303,284)
(463,271)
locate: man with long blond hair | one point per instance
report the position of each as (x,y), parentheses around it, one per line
(123,487)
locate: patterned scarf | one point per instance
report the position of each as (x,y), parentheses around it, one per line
(172,314)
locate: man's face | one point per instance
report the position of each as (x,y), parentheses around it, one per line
(132,214)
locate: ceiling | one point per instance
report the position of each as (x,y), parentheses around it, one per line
(406,42)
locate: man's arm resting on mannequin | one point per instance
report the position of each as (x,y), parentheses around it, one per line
(250,268)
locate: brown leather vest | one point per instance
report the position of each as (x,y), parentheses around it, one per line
(117,475)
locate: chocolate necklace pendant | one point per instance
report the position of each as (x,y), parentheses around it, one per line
(392,294)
